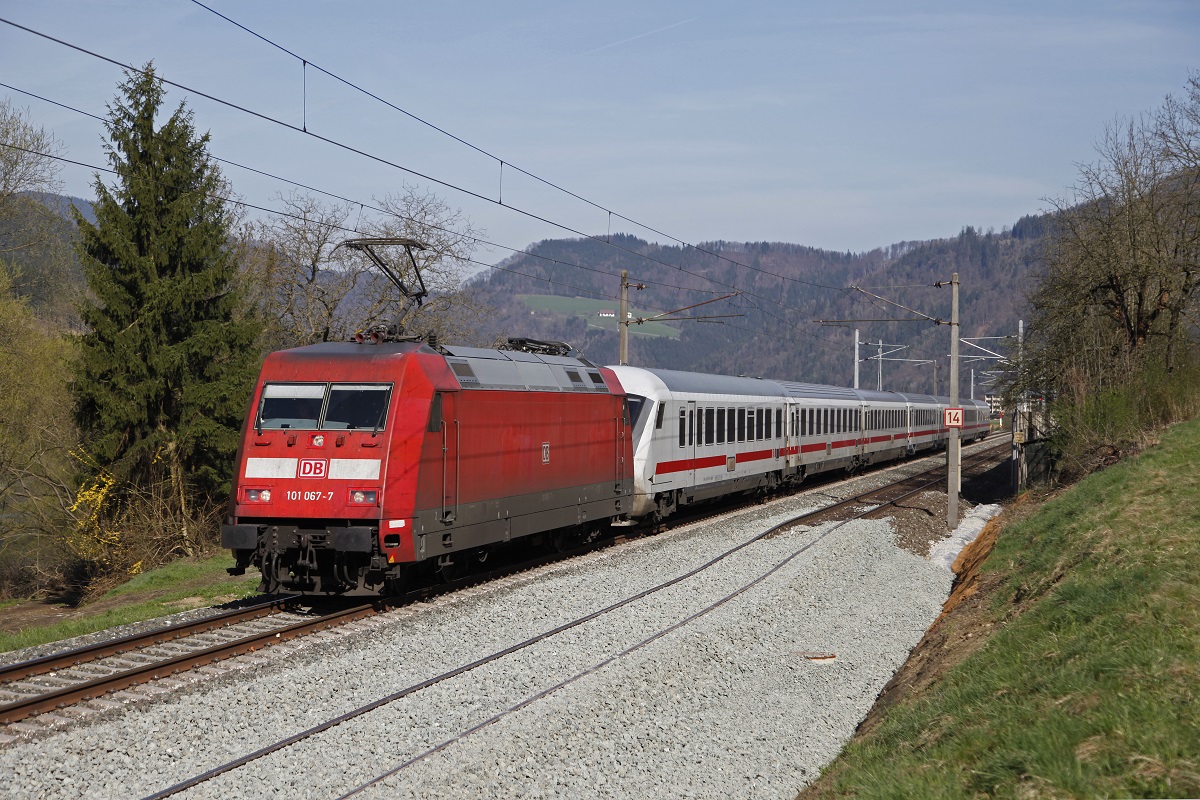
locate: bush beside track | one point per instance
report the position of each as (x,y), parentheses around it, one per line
(1072,668)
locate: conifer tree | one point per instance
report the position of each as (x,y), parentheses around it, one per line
(168,358)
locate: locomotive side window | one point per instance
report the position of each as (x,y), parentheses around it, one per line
(435,414)
(291,405)
(662,407)
(356,406)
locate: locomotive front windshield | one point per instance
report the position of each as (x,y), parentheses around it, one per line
(322,406)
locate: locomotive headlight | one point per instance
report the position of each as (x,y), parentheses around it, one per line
(366,497)
(258,495)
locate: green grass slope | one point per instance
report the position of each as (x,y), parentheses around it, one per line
(1088,687)
(179,586)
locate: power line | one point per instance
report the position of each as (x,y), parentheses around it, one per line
(344,229)
(305,62)
(265,117)
(677,267)
(362,205)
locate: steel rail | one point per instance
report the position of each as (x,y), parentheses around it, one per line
(89,690)
(877,507)
(52,699)
(81,655)
(772,531)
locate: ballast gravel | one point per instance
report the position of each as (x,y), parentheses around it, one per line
(748,699)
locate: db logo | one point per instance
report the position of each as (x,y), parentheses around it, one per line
(313,468)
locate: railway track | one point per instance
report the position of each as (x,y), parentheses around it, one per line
(871,503)
(49,684)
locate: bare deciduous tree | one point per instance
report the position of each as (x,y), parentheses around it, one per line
(312,291)
(27,157)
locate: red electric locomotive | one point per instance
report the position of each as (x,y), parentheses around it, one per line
(359,460)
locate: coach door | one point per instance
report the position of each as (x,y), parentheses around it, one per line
(445,417)
(623,426)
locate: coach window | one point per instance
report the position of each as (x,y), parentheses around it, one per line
(779,423)
(710,424)
(720,426)
(635,404)
(682,427)
(758,424)
(767,419)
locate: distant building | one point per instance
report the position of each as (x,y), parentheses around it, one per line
(606,312)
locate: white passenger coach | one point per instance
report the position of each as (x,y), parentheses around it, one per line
(697,437)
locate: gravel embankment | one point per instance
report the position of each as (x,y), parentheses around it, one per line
(726,706)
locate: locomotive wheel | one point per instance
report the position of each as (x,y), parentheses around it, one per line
(562,540)
(396,584)
(450,568)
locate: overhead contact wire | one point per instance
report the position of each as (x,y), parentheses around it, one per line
(497,158)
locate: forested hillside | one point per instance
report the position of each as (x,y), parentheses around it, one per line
(786,291)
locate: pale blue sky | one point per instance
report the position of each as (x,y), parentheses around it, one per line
(844,125)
